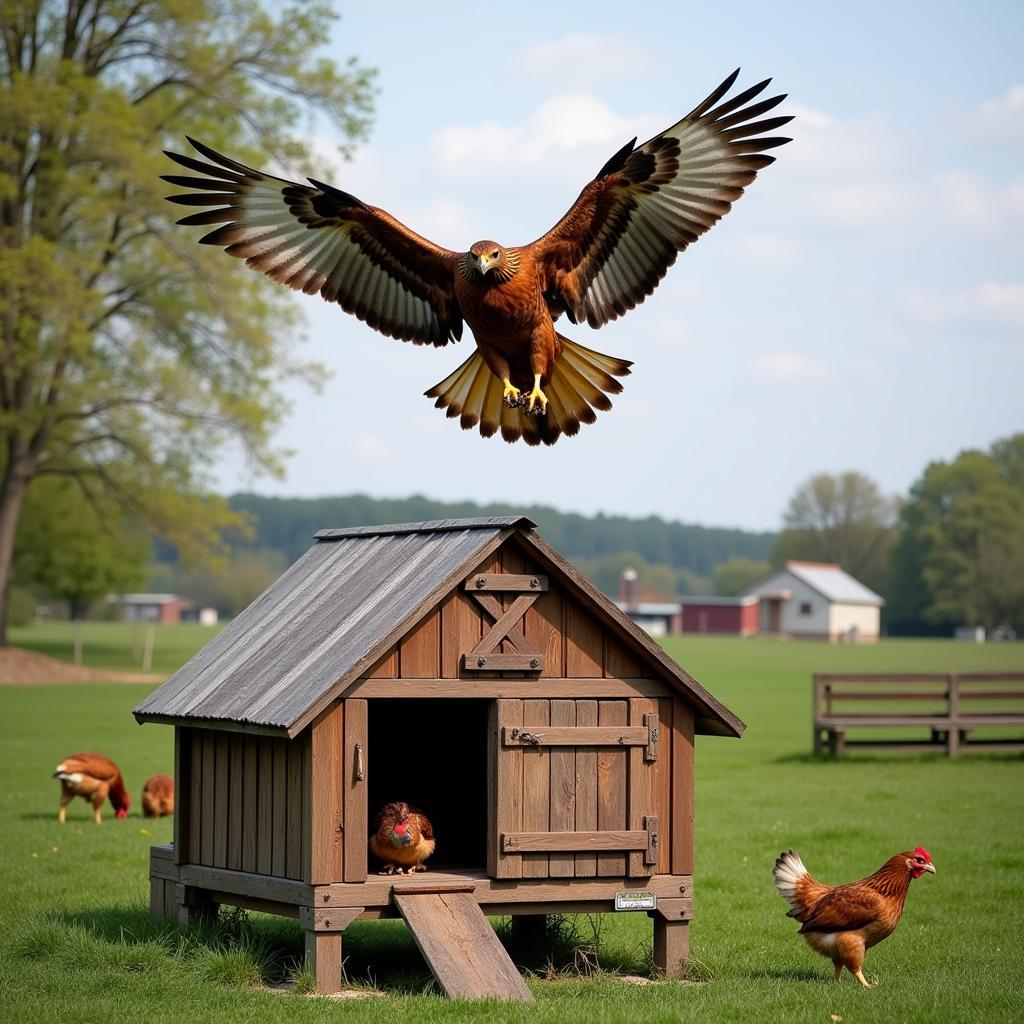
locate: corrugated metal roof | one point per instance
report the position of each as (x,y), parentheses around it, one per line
(327,616)
(339,608)
(430,526)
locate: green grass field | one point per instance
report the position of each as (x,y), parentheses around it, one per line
(116,645)
(76,943)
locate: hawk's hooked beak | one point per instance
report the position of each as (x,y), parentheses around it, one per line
(483,263)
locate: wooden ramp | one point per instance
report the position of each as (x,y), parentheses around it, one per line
(460,946)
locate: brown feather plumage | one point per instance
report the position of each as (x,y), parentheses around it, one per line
(401,838)
(94,778)
(603,258)
(158,796)
(842,922)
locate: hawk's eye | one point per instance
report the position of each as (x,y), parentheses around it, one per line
(494,255)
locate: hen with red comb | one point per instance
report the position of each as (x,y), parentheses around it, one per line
(842,922)
(402,838)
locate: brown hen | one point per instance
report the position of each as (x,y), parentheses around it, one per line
(841,922)
(92,777)
(402,838)
(158,796)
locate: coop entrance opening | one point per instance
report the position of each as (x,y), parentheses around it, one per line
(432,754)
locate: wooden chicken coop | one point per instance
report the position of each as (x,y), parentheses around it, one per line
(462,666)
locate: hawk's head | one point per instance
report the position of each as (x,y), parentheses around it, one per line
(486,256)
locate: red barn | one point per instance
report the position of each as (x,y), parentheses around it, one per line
(737,616)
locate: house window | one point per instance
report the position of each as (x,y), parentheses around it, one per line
(805,607)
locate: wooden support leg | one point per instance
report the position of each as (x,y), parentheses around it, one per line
(671,947)
(323,958)
(671,937)
(953,741)
(162,898)
(194,905)
(839,743)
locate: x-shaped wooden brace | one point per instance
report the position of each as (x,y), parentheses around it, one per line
(482,658)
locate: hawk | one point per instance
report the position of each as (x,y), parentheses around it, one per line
(604,257)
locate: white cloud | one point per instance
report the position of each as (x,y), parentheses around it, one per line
(992,304)
(586,57)
(371,448)
(788,366)
(563,134)
(999,119)
(872,175)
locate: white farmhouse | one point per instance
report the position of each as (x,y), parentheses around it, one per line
(816,600)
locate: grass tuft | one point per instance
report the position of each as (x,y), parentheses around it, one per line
(303,981)
(238,966)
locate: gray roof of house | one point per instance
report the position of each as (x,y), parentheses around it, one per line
(341,606)
(830,581)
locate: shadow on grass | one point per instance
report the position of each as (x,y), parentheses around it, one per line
(243,949)
(231,950)
(784,974)
(908,757)
(383,954)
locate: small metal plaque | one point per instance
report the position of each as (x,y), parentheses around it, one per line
(635,900)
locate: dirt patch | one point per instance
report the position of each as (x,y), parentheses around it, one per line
(19,667)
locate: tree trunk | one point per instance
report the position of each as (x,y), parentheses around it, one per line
(12,497)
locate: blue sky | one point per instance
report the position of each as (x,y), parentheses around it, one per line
(862,307)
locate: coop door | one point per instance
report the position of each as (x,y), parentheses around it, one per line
(573,788)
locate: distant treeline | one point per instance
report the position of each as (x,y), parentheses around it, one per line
(288,524)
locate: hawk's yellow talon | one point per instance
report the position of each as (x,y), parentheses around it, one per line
(511,394)
(537,395)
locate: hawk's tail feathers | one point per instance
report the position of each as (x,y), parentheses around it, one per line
(580,383)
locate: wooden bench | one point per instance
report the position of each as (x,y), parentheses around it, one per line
(950,705)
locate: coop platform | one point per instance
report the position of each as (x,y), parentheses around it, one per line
(444,911)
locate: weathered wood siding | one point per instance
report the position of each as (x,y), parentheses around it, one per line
(574,643)
(590,790)
(568,789)
(246,804)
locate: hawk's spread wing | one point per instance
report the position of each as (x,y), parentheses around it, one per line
(320,239)
(607,254)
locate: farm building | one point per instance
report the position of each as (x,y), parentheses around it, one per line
(462,666)
(816,600)
(151,607)
(737,616)
(655,612)
(658,618)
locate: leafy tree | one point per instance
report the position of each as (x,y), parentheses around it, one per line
(733,575)
(693,583)
(960,557)
(843,519)
(127,353)
(228,587)
(654,582)
(75,551)
(248,575)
